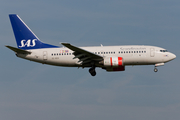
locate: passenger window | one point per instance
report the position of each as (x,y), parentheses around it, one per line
(106,52)
(52,54)
(129,51)
(98,52)
(121,51)
(134,51)
(144,51)
(139,51)
(59,53)
(126,51)
(69,53)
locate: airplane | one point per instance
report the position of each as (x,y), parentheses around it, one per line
(110,58)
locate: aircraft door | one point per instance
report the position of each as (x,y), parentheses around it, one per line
(152,52)
(45,55)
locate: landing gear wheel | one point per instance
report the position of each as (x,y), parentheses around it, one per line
(92,71)
(155,69)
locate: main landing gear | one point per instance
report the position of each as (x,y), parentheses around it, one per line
(155,69)
(92,71)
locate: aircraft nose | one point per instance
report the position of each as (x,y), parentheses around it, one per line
(173,56)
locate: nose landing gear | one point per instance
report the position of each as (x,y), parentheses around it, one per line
(92,71)
(157,65)
(155,69)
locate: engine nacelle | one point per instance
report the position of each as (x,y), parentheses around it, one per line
(119,68)
(113,62)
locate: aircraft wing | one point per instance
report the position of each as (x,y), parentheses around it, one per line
(84,56)
(17,50)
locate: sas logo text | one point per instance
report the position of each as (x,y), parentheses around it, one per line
(28,43)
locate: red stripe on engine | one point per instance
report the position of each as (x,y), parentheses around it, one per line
(120,61)
(111,61)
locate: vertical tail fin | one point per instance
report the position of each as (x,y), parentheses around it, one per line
(25,38)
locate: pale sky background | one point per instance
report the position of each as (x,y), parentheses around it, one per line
(32,91)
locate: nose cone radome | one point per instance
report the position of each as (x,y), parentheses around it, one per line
(172,56)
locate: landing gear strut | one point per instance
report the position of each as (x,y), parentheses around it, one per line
(92,71)
(155,69)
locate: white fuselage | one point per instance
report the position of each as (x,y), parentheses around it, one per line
(132,55)
(110,58)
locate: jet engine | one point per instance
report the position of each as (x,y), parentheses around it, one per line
(113,64)
(113,61)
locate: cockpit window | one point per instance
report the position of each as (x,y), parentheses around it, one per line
(163,50)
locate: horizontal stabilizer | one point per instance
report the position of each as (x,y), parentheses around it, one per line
(17,50)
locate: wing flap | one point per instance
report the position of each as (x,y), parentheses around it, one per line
(78,55)
(81,51)
(84,56)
